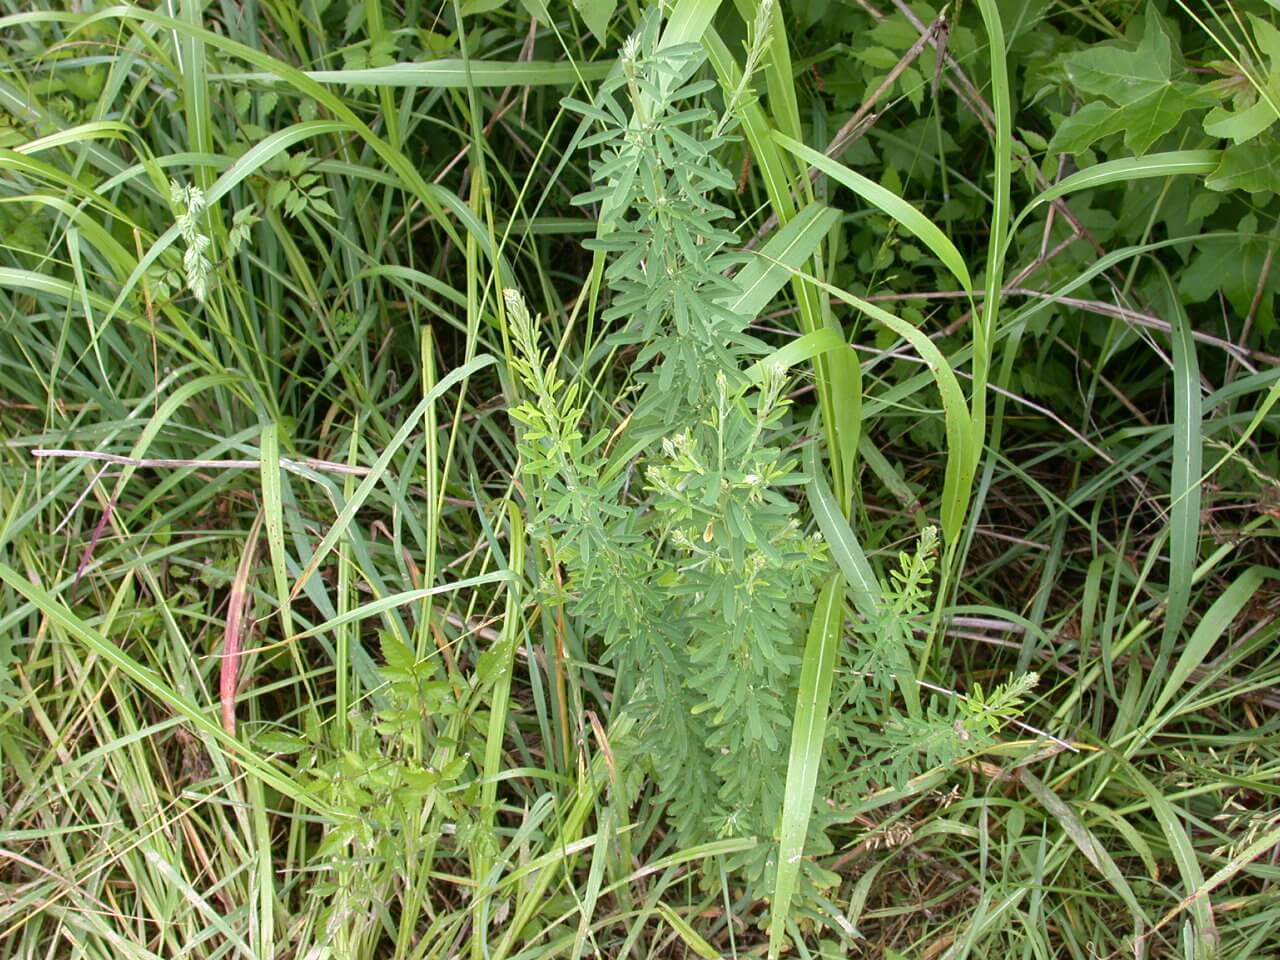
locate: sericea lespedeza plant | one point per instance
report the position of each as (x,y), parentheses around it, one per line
(700,584)
(699,579)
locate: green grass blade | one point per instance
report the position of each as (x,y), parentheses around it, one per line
(1220,615)
(692,939)
(1241,859)
(1124,170)
(1188,454)
(773,265)
(211,914)
(984,331)
(803,348)
(888,202)
(688,21)
(446,74)
(195,86)
(816,672)
(1184,855)
(273,507)
(348,512)
(595,877)
(1086,843)
(841,541)
(962,445)
(384,604)
(861,582)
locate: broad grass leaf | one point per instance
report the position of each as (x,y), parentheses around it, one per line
(821,653)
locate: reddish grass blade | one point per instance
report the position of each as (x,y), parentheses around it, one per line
(233,638)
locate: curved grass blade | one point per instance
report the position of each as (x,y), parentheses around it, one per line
(444,74)
(787,250)
(1188,453)
(803,348)
(273,508)
(867,594)
(384,604)
(1086,843)
(984,331)
(886,201)
(962,436)
(844,546)
(692,939)
(1170,164)
(1212,625)
(1184,855)
(688,21)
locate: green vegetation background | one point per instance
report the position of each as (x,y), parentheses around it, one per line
(300,654)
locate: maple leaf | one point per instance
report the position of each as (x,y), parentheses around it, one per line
(1140,97)
(1254,167)
(1237,266)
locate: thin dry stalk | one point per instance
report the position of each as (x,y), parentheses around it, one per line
(168,463)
